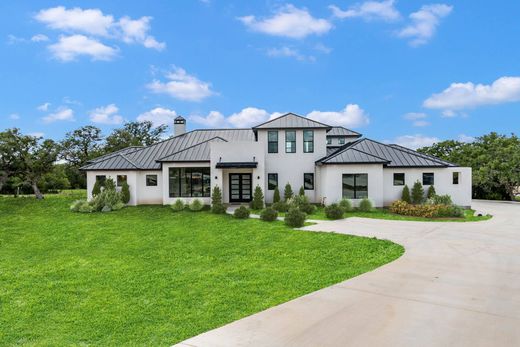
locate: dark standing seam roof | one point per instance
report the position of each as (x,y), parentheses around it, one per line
(340,132)
(291,121)
(198,152)
(396,156)
(121,151)
(354,156)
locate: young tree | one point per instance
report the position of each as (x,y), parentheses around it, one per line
(406,195)
(96,189)
(134,134)
(110,184)
(216,201)
(417,193)
(276,195)
(302,191)
(258,199)
(431,192)
(125,193)
(287,193)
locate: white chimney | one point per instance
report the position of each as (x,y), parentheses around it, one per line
(179,126)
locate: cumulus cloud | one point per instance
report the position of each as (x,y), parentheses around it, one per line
(288,21)
(39,38)
(414,141)
(68,48)
(43,107)
(351,116)
(469,95)
(89,21)
(183,86)
(369,10)
(424,23)
(213,119)
(418,119)
(61,114)
(106,115)
(136,31)
(290,52)
(158,116)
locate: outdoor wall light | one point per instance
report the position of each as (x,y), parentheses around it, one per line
(258,177)
(216,177)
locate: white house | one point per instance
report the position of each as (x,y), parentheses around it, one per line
(329,162)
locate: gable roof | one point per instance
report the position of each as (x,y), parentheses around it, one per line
(341,131)
(353,156)
(291,121)
(115,162)
(198,152)
(121,151)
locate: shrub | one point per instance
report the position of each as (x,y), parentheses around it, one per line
(346,205)
(365,205)
(276,195)
(431,192)
(108,197)
(178,205)
(417,193)
(74,207)
(85,207)
(425,211)
(269,214)
(110,184)
(287,192)
(334,211)
(118,206)
(442,200)
(106,208)
(216,201)
(280,206)
(258,199)
(241,213)
(96,189)
(302,203)
(295,218)
(406,195)
(301,192)
(196,205)
(125,193)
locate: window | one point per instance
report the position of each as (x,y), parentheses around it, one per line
(272,141)
(341,140)
(290,141)
(308,141)
(456,176)
(151,180)
(272,181)
(189,182)
(120,180)
(308,181)
(355,186)
(329,141)
(398,179)
(427,179)
(101,179)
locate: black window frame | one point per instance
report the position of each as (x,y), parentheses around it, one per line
(329,141)
(117,180)
(403,179)
(424,178)
(272,143)
(342,141)
(363,193)
(147,180)
(292,142)
(275,177)
(102,179)
(305,176)
(185,185)
(308,145)
(455,177)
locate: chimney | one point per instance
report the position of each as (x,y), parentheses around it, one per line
(179,126)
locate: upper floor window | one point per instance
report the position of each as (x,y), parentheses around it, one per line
(290,141)
(272,181)
(456,176)
(341,141)
(151,180)
(272,142)
(120,180)
(355,186)
(398,179)
(427,179)
(329,141)
(308,141)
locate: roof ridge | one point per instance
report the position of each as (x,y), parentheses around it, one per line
(287,114)
(342,127)
(375,156)
(130,161)
(424,156)
(111,154)
(109,158)
(340,150)
(192,146)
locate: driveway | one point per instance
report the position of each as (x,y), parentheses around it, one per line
(458,284)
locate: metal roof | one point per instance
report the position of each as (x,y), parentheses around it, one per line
(353,156)
(291,121)
(198,152)
(395,156)
(340,132)
(121,151)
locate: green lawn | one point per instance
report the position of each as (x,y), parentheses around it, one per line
(147,276)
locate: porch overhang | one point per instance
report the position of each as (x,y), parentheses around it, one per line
(237,165)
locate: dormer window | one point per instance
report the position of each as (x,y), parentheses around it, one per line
(341,140)
(329,141)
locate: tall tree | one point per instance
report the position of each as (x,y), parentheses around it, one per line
(134,134)
(8,155)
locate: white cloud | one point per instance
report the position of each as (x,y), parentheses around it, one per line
(369,10)
(424,23)
(469,95)
(136,31)
(44,107)
(286,51)
(68,48)
(14,116)
(183,86)
(351,116)
(12,39)
(158,116)
(418,119)
(39,38)
(414,141)
(466,138)
(89,21)
(106,115)
(288,21)
(248,117)
(61,114)
(213,119)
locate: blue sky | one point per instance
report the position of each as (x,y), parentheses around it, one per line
(410,72)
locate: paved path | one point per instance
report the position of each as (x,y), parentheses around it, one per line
(458,284)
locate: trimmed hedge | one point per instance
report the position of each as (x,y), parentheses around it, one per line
(269,215)
(241,213)
(334,211)
(425,211)
(365,205)
(295,218)
(178,205)
(196,205)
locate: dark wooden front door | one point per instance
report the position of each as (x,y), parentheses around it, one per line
(240,187)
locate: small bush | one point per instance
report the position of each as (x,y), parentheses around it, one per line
(108,197)
(431,192)
(74,207)
(269,214)
(425,211)
(120,205)
(178,205)
(365,205)
(276,195)
(85,207)
(242,212)
(110,184)
(442,200)
(196,205)
(125,193)
(302,191)
(295,218)
(406,195)
(280,206)
(346,205)
(258,199)
(302,203)
(106,208)
(417,193)
(216,201)
(334,211)
(96,189)
(287,192)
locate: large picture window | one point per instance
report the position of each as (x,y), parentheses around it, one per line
(272,181)
(355,186)
(308,181)
(290,141)
(272,141)
(189,182)
(308,141)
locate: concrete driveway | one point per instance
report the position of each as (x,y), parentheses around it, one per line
(458,284)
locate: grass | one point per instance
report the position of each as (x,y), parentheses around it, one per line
(148,276)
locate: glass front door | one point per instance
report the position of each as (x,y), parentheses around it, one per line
(240,187)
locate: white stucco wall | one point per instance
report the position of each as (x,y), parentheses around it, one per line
(131,177)
(443,183)
(290,167)
(149,195)
(166,200)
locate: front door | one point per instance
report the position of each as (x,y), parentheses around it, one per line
(239,187)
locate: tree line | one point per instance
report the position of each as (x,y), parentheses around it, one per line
(33,164)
